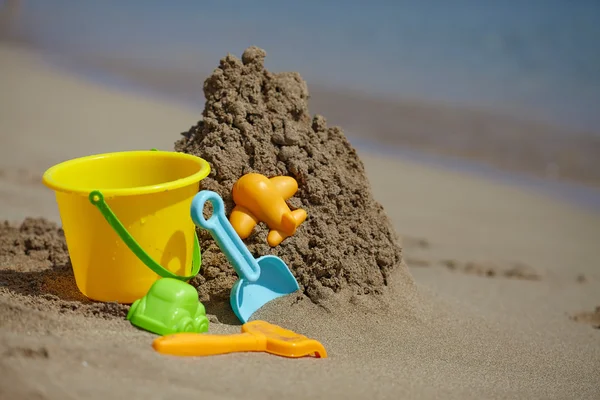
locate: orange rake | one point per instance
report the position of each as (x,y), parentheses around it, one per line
(258,336)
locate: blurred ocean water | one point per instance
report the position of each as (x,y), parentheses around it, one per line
(534,58)
(538,58)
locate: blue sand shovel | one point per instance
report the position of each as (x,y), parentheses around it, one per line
(262,279)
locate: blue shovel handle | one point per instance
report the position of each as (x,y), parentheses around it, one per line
(223,233)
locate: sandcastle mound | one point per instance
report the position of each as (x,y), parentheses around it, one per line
(258,121)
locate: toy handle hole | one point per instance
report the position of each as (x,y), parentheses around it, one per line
(209,215)
(208,210)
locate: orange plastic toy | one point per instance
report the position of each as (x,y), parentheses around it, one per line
(256,336)
(260,199)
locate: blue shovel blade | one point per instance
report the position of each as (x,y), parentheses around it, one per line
(275,280)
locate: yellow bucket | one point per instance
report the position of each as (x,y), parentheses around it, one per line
(122,211)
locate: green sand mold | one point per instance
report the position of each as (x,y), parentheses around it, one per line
(170,306)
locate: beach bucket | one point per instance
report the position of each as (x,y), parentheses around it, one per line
(126,219)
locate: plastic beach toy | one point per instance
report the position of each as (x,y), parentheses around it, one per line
(261,280)
(256,336)
(170,306)
(259,198)
(126,220)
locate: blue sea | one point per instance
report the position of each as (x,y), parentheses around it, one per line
(535,58)
(539,58)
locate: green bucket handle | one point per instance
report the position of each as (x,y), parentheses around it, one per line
(97,199)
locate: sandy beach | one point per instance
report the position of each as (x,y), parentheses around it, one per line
(499,303)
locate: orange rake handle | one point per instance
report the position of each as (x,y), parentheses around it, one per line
(194,344)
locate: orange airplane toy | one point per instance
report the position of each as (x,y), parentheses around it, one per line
(261,199)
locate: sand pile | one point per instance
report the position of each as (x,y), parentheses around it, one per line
(258,121)
(35,239)
(36,272)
